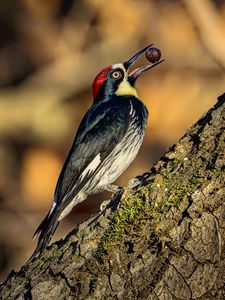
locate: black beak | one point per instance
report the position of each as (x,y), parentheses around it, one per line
(137,72)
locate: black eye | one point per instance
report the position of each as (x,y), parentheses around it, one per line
(116,74)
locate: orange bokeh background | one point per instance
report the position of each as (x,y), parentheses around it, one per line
(50,51)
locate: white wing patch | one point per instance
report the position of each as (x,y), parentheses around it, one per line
(131,108)
(91,167)
(52,208)
(132,111)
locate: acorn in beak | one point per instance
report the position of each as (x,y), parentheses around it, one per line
(152,54)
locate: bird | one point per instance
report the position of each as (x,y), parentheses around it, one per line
(107,141)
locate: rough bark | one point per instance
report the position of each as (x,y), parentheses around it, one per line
(162,240)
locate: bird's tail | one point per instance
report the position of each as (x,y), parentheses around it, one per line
(45,231)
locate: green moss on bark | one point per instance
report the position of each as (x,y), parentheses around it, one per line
(136,210)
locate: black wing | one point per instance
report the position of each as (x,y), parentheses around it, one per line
(102,128)
(100,131)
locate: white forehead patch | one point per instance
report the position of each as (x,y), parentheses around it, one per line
(125,88)
(120,66)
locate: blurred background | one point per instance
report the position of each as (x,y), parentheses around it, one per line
(50,51)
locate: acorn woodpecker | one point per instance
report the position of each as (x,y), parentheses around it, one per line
(107,141)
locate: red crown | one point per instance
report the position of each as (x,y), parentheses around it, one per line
(99,80)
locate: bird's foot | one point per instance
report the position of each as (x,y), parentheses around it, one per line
(116,190)
(134,183)
(104,204)
(137,182)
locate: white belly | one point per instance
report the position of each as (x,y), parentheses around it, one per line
(119,160)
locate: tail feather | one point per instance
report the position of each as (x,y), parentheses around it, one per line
(45,231)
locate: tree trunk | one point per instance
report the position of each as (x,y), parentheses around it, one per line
(164,239)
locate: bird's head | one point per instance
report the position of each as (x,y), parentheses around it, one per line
(118,80)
